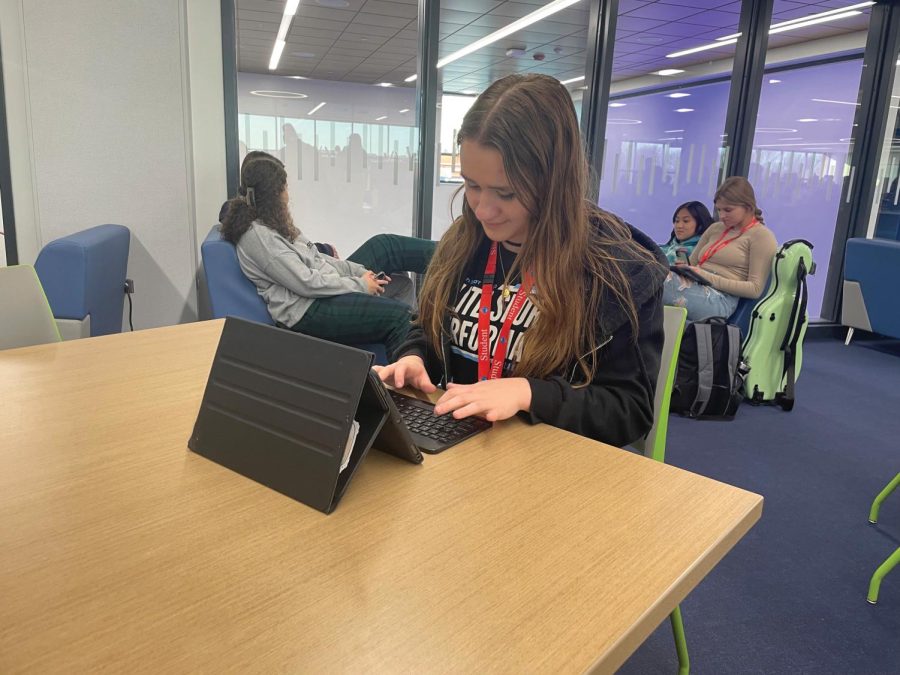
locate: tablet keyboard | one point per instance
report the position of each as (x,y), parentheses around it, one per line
(420,419)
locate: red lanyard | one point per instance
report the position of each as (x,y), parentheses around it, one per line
(492,369)
(719,245)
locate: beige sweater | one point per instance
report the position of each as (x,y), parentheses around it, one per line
(742,267)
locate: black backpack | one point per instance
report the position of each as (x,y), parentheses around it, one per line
(710,376)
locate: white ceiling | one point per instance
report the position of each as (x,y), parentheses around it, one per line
(371,41)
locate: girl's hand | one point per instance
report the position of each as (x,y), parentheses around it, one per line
(494,400)
(376,286)
(700,271)
(408,371)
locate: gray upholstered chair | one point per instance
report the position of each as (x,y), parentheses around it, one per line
(27,318)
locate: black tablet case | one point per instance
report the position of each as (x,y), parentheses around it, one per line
(278,408)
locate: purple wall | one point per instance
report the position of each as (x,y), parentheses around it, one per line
(657,158)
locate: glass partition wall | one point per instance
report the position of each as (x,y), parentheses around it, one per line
(339,106)
(885,221)
(336,110)
(804,130)
(667,108)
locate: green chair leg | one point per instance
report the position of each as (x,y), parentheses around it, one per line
(883,569)
(684,662)
(876,505)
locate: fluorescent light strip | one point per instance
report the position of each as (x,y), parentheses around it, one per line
(794,145)
(276,54)
(702,48)
(813,22)
(383,117)
(284,27)
(574,79)
(316,108)
(828,100)
(411,78)
(290,8)
(515,26)
(783,27)
(830,12)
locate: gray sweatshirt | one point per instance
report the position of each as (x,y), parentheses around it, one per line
(290,276)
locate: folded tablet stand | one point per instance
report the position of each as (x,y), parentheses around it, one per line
(278,408)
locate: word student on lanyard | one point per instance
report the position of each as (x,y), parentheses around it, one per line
(719,245)
(489,369)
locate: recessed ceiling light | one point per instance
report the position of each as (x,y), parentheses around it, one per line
(808,119)
(774,81)
(617,105)
(515,26)
(469,92)
(684,110)
(384,84)
(383,117)
(672,131)
(274,93)
(303,55)
(411,78)
(311,112)
(678,94)
(296,77)
(622,120)
(574,79)
(669,71)
(405,110)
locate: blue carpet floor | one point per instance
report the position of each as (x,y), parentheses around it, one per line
(791,596)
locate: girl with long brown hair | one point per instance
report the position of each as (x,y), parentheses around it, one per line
(732,259)
(344,301)
(537,301)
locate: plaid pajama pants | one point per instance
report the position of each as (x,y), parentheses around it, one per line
(355,318)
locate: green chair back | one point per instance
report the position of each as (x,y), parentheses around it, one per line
(27,317)
(654,444)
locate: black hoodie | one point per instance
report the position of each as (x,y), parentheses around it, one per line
(617,406)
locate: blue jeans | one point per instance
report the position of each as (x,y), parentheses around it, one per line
(701,302)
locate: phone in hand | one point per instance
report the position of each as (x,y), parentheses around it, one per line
(380,275)
(681,257)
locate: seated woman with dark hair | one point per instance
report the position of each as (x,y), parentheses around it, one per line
(689,221)
(259,154)
(344,301)
(731,261)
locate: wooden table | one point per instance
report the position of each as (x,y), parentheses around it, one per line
(524,549)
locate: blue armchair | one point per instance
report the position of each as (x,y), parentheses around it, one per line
(231,293)
(871,278)
(83,275)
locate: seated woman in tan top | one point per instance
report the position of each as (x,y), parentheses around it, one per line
(734,256)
